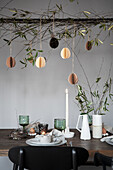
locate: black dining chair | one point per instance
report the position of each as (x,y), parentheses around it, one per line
(100,159)
(47,158)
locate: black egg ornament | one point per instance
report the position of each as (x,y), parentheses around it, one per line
(54,42)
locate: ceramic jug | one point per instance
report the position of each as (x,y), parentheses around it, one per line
(84,130)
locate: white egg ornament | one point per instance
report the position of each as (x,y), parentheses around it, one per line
(40,62)
(65,53)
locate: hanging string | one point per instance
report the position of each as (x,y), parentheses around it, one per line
(30,45)
(40,34)
(65,36)
(10,46)
(73,45)
(88,34)
(53,23)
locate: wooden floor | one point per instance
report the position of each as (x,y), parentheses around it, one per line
(93,145)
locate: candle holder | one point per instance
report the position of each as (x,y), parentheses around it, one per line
(43,128)
(60,124)
(23,121)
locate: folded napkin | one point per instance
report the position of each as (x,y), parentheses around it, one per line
(56,133)
(104,139)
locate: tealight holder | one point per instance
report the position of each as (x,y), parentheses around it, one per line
(43,128)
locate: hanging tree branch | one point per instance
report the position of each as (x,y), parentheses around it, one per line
(79,21)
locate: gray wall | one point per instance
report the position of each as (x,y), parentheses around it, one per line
(40,93)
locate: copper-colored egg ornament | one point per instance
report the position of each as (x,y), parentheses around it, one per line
(88,45)
(10,62)
(54,42)
(73,79)
(65,53)
(40,62)
(103,131)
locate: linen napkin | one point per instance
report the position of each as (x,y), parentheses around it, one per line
(57,134)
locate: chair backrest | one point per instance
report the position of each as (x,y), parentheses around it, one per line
(100,159)
(48,158)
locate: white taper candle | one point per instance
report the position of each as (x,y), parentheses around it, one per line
(67,108)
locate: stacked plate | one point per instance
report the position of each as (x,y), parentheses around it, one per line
(36,142)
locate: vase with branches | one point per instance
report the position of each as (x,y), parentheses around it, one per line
(95,101)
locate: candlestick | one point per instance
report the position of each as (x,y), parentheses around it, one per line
(67,133)
(67,113)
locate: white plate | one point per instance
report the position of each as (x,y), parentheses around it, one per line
(35,142)
(109,141)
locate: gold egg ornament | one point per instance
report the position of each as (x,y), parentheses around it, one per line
(65,53)
(88,45)
(10,62)
(40,62)
(73,79)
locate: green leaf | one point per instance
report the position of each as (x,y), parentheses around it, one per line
(100,41)
(86,15)
(98,79)
(83,30)
(40,51)
(87,12)
(59,7)
(110,27)
(83,113)
(11,10)
(14,14)
(30,58)
(36,55)
(8,42)
(22,62)
(90,110)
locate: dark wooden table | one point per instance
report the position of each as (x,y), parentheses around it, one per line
(93,145)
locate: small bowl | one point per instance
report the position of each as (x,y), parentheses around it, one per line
(45,139)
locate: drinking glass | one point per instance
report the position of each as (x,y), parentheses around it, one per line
(60,124)
(23,121)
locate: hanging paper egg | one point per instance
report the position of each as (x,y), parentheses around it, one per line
(40,62)
(65,53)
(73,79)
(10,62)
(54,42)
(88,45)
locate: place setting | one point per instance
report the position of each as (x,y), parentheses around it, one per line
(108,137)
(53,138)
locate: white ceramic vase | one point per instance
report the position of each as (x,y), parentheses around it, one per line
(97,126)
